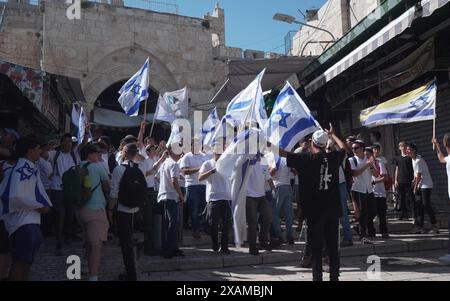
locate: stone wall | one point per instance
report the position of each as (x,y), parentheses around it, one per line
(336,16)
(111,42)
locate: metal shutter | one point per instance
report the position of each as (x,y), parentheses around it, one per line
(421,133)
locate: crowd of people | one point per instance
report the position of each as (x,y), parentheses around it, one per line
(94,189)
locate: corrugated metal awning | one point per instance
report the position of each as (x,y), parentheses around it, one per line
(390,31)
(242,72)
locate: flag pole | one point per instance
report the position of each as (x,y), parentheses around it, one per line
(434,132)
(435,115)
(154,116)
(148,83)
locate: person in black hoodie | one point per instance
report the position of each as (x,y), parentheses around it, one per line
(322,206)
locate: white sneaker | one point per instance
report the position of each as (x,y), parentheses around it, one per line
(445,259)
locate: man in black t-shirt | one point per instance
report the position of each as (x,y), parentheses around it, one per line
(322,206)
(404,176)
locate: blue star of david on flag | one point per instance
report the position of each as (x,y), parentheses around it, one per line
(134,91)
(291,120)
(284,116)
(26,172)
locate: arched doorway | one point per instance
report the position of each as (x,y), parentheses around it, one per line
(108,100)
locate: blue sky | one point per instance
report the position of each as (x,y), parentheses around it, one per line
(249,23)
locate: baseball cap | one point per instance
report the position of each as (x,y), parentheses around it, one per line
(320,138)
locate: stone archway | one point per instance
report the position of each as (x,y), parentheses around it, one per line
(122,64)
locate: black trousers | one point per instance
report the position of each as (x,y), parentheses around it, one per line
(423,203)
(125,231)
(147,213)
(381,212)
(325,227)
(368,212)
(219,214)
(406,198)
(255,206)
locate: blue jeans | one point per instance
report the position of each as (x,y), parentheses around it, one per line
(170,226)
(196,200)
(283,201)
(344,220)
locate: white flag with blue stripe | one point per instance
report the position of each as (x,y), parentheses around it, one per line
(173,105)
(417,105)
(248,105)
(22,189)
(290,121)
(75,116)
(209,127)
(134,91)
(82,127)
(236,164)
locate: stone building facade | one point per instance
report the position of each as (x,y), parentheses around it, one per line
(336,16)
(110,42)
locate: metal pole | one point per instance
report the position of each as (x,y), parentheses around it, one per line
(220,90)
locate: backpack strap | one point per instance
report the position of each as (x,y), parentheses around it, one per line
(99,183)
(355,161)
(74,158)
(55,162)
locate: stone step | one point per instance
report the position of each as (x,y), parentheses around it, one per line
(394,226)
(204,258)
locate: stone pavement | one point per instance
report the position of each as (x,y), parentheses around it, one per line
(201,262)
(417,266)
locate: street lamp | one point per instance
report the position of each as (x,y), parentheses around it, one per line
(290,19)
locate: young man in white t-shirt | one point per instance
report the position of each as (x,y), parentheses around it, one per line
(149,167)
(281,175)
(195,190)
(380,190)
(62,160)
(23,226)
(218,196)
(445,160)
(256,203)
(362,167)
(422,186)
(171,197)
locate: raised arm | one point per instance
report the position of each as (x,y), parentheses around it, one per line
(439,152)
(141,135)
(332,134)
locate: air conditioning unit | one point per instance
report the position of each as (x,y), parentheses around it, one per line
(312,15)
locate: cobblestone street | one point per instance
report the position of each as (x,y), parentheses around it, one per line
(419,265)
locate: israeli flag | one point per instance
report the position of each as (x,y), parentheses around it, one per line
(75,116)
(22,189)
(173,105)
(236,164)
(82,127)
(209,127)
(134,91)
(248,105)
(290,121)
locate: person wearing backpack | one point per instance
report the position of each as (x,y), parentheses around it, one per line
(62,160)
(129,193)
(91,215)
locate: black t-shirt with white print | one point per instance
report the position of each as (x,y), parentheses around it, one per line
(319,175)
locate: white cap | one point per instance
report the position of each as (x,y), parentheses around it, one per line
(320,138)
